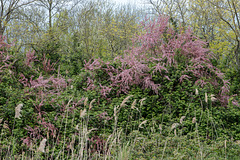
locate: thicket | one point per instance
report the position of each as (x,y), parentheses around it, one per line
(168,74)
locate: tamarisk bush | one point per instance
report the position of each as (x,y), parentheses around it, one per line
(158,57)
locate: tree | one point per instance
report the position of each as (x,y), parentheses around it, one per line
(227,12)
(8,11)
(176,9)
(56,6)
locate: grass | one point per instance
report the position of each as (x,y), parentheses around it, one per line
(148,141)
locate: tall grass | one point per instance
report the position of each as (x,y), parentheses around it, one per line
(149,141)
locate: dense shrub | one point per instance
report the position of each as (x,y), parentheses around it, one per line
(171,69)
(162,61)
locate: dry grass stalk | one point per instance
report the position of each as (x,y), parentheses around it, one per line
(1,120)
(42,145)
(182,118)
(194,120)
(160,127)
(174,125)
(175,132)
(77,127)
(115,111)
(133,106)
(90,105)
(18,109)
(196,91)
(85,101)
(206,98)
(72,143)
(141,101)
(144,122)
(83,112)
(213,99)
(106,144)
(5,125)
(94,129)
(125,100)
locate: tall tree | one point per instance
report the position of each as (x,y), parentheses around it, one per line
(8,11)
(56,6)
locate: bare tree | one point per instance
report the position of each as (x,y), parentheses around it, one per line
(8,10)
(56,6)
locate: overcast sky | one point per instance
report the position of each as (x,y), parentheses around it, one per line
(124,1)
(133,2)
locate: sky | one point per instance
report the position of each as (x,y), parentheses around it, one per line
(133,2)
(125,1)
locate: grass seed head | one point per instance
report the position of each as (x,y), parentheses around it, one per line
(213,99)
(206,97)
(85,101)
(42,145)
(174,125)
(194,120)
(182,118)
(90,105)
(72,142)
(141,101)
(144,122)
(125,100)
(133,106)
(83,112)
(18,109)
(196,91)
(5,125)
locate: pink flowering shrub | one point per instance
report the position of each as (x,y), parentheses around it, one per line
(159,56)
(28,80)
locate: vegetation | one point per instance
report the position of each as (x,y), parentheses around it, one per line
(94,80)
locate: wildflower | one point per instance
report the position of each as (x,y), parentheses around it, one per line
(42,145)
(18,110)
